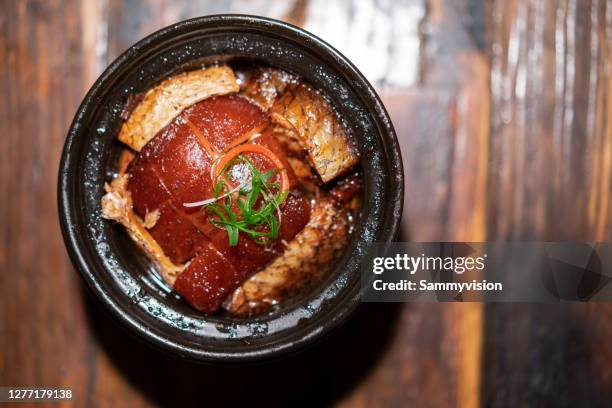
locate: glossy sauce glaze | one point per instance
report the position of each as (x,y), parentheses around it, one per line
(178,168)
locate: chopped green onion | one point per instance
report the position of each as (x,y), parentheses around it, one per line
(258,202)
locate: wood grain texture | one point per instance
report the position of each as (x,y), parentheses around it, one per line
(442,124)
(549,179)
(43,339)
(504,114)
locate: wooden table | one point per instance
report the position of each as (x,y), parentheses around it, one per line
(504,113)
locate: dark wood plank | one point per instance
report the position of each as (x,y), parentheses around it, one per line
(549,179)
(43,340)
(442,125)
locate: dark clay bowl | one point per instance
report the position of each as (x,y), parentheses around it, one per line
(119,274)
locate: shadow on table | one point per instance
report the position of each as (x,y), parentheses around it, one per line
(319,376)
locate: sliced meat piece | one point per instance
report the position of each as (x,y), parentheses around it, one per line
(178,157)
(247,256)
(320,132)
(117,206)
(207,280)
(176,234)
(164,102)
(295,214)
(347,187)
(147,190)
(226,120)
(199,190)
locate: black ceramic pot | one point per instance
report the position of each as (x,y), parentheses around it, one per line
(118,273)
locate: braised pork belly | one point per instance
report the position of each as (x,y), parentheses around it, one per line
(240,184)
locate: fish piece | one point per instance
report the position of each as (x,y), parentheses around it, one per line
(290,140)
(265,85)
(117,206)
(320,132)
(308,257)
(164,102)
(307,116)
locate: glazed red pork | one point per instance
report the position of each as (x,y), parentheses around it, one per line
(221,188)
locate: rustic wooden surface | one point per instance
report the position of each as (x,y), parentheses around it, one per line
(504,114)
(550,179)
